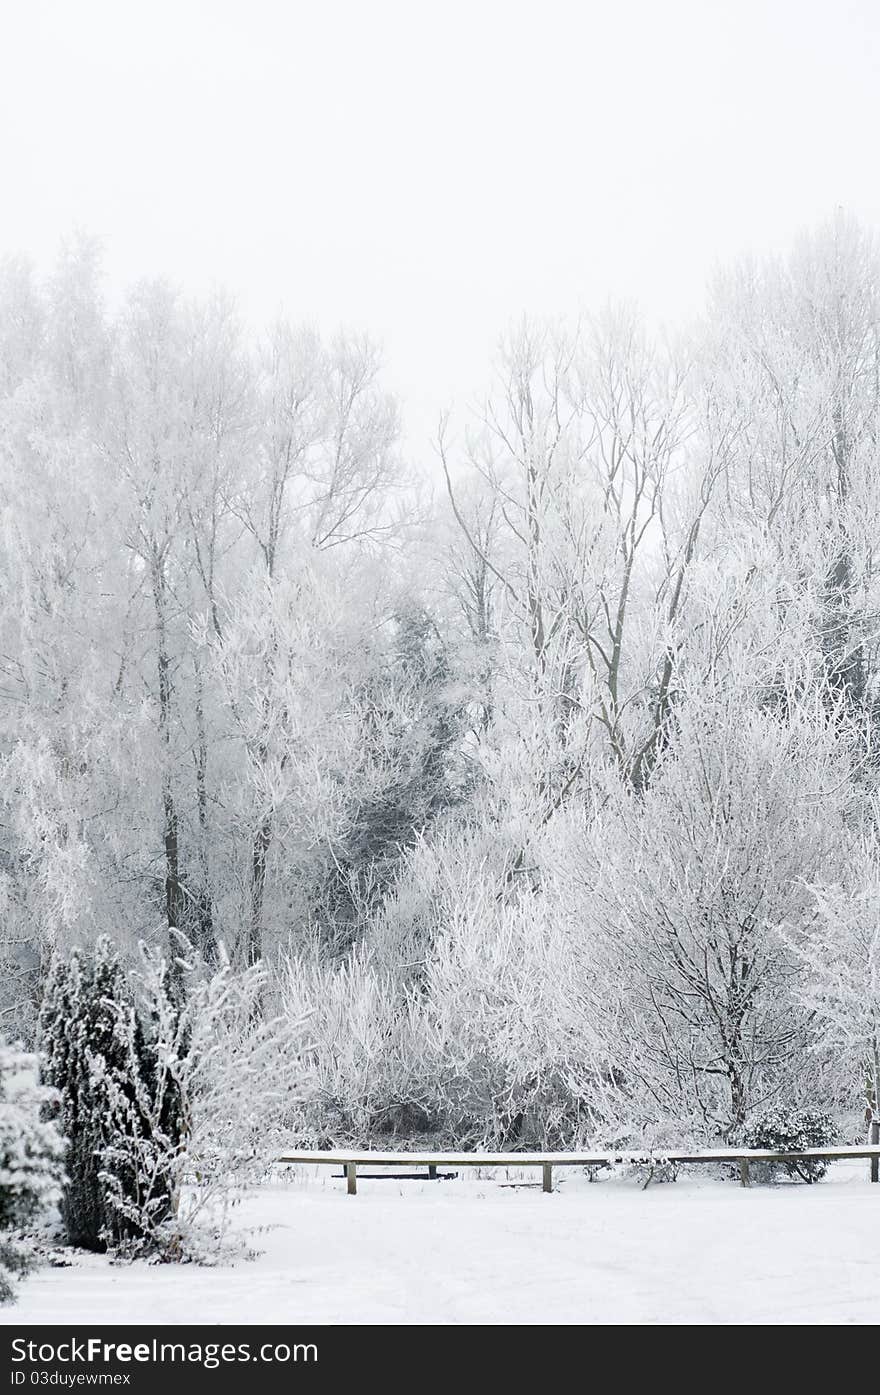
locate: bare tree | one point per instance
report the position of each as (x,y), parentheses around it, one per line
(600,478)
(692,887)
(324,465)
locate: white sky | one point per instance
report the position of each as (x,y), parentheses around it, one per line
(431,171)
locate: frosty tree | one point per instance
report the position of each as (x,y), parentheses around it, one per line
(161,1092)
(109,1079)
(31,1154)
(840,951)
(690,889)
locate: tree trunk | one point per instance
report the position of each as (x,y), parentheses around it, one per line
(259,861)
(204,911)
(175,897)
(844,658)
(873,1112)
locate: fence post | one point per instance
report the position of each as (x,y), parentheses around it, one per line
(351,1177)
(744,1178)
(875,1140)
(548,1177)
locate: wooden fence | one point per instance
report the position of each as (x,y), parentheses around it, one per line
(350,1161)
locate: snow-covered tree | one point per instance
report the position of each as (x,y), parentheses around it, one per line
(31,1155)
(791,365)
(596,496)
(839,948)
(106,1072)
(173,1087)
(225,1090)
(691,890)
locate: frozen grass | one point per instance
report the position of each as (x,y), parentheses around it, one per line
(471,1251)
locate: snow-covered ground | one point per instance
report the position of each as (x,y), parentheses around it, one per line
(472,1251)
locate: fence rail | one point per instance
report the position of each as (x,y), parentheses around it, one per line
(351,1160)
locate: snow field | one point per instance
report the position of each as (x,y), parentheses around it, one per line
(699,1251)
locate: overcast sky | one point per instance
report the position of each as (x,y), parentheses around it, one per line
(429,171)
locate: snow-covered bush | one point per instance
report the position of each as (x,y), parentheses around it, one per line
(488,1036)
(239,1074)
(173,1089)
(510,1012)
(31,1153)
(367,1065)
(791,1131)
